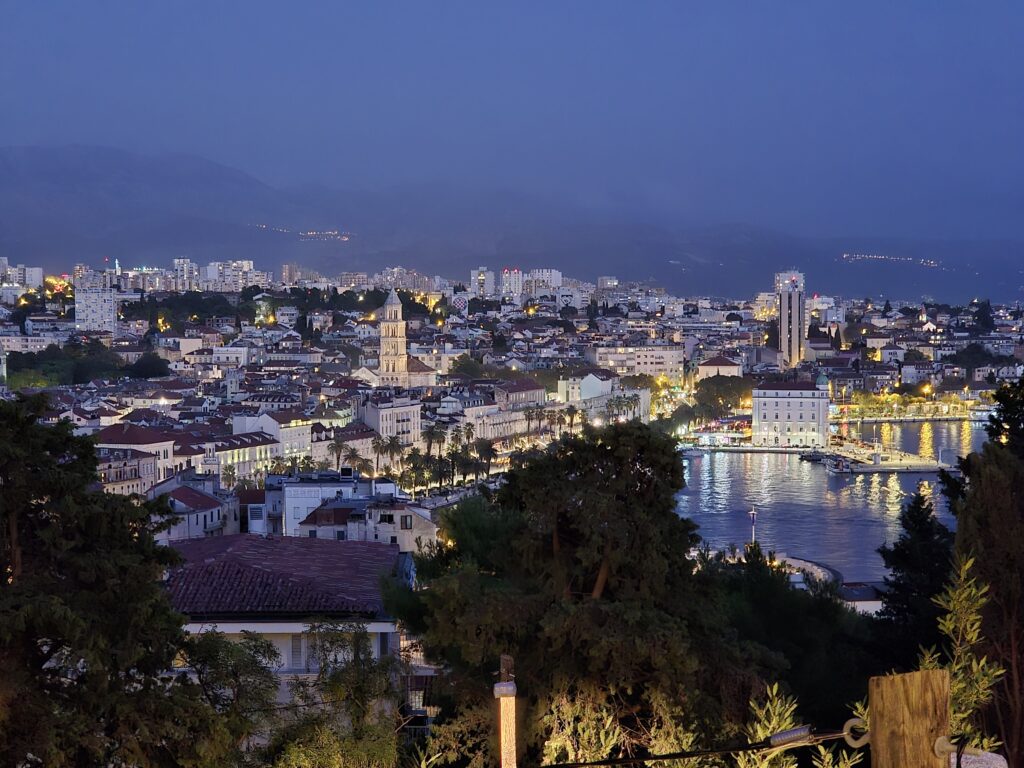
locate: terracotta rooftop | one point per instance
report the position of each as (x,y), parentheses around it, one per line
(246,575)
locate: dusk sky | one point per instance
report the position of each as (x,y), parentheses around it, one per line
(817,118)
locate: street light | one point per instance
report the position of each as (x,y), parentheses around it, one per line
(753,525)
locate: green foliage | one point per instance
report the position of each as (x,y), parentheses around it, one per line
(466,365)
(972,676)
(87,634)
(919,566)
(149,366)
(236,679)
(976,356)
(989,507)
(1006,425)
(823,649)
(579,570)
(345,714)
(769,714)
(579,728)
(717,396)
(833,757)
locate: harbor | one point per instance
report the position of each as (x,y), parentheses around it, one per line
(838,520)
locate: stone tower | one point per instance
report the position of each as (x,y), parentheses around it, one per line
(394,357)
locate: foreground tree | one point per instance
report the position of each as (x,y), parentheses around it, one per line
(87,635)
(989,507)
(919,565)
(347,714)
(579,569)
(90,646)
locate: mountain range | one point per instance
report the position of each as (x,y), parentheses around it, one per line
(64,205)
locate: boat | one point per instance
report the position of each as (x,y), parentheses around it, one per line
(815,456)
(837,465)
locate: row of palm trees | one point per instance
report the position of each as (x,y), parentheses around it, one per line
(421,469)
(279,466)
(620,405)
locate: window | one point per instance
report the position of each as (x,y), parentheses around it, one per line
(406,522)
(394,539)
(312,534)
(340,535)
(296,655)
(384,644)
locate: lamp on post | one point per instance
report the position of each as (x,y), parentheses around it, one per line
(753,525)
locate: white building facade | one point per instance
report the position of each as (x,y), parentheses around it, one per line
(791,415)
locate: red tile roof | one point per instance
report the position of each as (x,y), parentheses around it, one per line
(194,499)
(130,434)
(246,575)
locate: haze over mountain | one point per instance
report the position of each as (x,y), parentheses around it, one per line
(60,205)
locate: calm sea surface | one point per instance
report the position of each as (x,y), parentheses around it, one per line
(803,511)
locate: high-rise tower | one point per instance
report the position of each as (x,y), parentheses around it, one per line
(789,291)
(394,351)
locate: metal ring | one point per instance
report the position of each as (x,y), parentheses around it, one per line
(852,741)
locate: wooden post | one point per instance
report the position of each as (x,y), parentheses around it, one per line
(505,693)
(908,713)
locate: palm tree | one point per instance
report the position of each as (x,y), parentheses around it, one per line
(228,476)
(440,439)
(486,451)
(352,456)
(570,414)
(306,464)
(551,417)
(380,447)
(278,466)
(634,401)
(455,436)
(337,448)
(323,465)
(468,430)
(428,434)
(394,449)
(560,421)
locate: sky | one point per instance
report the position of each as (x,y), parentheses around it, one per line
(817,118)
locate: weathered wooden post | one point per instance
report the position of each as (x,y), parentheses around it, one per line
(908,713)
(505,693)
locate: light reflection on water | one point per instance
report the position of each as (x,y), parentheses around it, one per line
(838,520)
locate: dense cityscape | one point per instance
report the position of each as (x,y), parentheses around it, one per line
(491,385)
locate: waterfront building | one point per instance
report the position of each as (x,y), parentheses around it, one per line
(791,414)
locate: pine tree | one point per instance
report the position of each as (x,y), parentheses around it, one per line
(88,638)
(919,566)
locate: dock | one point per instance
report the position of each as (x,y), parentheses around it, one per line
(868,460)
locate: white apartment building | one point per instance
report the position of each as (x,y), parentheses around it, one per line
(96,309)
(394,416)
(481,282)
(545,278)
(791,415)
(186,275)
(511,282)
(27,277)
(232,276)
(654,359)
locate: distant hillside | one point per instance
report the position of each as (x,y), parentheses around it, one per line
(68,204)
